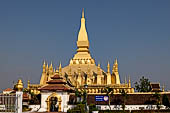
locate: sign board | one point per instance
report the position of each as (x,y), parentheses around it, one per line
(101,98)
(2,107)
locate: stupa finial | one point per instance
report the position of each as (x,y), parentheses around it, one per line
(108,67)
(83,13)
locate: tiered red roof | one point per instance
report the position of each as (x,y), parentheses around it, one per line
(56,84)
(8,89)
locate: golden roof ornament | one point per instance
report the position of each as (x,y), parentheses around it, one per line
(129,82)
(28,84)
(83,13)
(44,67)
(47,68)
(44,63)
(51,66)
(163,88)
(108,67)
(98,65)
(125,80)
(19,85)
(60,69)
(60,65)
(116,66)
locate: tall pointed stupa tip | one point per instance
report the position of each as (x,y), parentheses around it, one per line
(129,78)
(115,60)
(60,64)
(44,62)
(108,64)
(98,64)
(83,13)
(125,80)
(51,64)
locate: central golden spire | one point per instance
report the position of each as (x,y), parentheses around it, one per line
(83,55)
(82,36)
(83,13)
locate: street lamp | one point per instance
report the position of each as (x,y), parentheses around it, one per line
(85,88)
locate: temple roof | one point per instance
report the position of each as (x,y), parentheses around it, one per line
(56,84)
(56,76)
(56,87)
(8,89)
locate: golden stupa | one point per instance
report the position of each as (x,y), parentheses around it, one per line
(82,70)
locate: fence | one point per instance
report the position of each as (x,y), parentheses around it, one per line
(9,103)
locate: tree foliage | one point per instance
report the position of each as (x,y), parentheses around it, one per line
(158,100)
(125,97)
(143,85)
(109,93)
(165,101)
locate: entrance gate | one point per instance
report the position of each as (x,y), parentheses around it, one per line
(8,103)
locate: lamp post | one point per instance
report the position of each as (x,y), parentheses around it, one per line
(85,87)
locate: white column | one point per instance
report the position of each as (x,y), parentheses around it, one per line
(19,95)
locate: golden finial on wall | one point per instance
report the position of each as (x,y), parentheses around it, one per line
(47,70)
(19,85)
(125,80)
(28,84)
(129,82)
(51,66)
(163,88)
(60,69)
(51,69)
(108,67)
(98,65)
(116,66)
(44,67)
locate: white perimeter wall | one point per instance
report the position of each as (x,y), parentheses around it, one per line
(129,107)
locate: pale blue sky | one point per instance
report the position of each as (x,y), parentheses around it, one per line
(136,32)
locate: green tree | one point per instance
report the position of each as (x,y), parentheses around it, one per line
(78,95)
(165,101)
(109,93)
(158,100)
(143,85)
(35,99)
(125,97)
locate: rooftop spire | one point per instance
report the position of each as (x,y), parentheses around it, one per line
(129,82)
(82,13)
(83,53)
(116,61)
(60,69)
(82,36)
(60,65)
(116,65)
(125,80)
(44,67)
(47,70)
(44,62)
(51,64)
(99,64)
(108,67)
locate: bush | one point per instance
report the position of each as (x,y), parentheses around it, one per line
(80,108)
(92,107)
